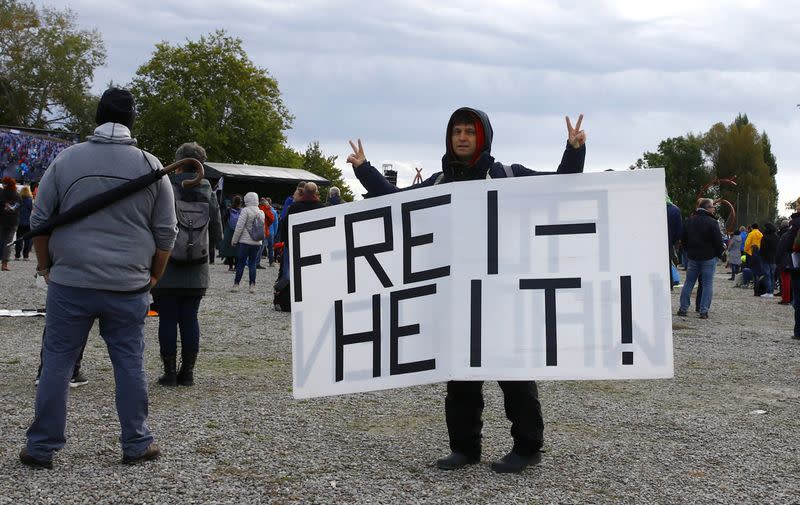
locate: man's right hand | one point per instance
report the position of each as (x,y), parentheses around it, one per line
(358,157)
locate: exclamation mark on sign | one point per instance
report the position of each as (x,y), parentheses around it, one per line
(626,314)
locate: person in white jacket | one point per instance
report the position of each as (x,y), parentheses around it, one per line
(247,240)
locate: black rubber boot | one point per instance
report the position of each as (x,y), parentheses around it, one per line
(186,373)
(170,375)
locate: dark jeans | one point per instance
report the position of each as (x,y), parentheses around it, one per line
(25,245)
(705,270)
(246,254)
(270,245)
(464,406)
(70,315)
(176,311)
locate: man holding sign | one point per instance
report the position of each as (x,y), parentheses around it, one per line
(468,144)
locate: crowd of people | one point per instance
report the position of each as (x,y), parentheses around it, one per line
(25,157)
(764,258)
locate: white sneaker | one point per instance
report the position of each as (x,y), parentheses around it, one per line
(235,288)
(252,289)
(767,295)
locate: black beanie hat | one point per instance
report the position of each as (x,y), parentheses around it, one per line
(116,106)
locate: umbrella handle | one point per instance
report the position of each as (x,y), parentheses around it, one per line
(190,183)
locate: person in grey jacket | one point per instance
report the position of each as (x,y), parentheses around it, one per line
(100,267)
(734,254)
(178,294)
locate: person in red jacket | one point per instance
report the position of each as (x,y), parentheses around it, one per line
(269,219)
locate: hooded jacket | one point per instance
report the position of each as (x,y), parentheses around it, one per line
(248,214)
(484,166)
(112,248)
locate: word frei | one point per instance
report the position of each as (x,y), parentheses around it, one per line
(550,277)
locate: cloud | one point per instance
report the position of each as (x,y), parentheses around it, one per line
(392,71)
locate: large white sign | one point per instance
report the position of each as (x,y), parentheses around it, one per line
(550,277)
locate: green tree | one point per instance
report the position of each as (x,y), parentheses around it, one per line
(210,92)
(685,170)
(46,65)
(317,163)
(739,150)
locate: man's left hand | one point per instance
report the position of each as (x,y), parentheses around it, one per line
(575,136)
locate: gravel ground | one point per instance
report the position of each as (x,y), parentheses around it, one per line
(237,436)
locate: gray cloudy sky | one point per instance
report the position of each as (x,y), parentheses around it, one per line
(392,71)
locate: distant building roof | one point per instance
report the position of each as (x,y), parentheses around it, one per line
(256,172)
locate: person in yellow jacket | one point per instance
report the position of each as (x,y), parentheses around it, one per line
(753,240)
(752,247)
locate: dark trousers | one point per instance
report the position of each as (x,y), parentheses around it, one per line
(178,312)
(795,275)
(25,246)
(464,406)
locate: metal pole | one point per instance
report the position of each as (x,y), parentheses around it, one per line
(748,208)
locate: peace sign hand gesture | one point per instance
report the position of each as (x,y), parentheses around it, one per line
(358,157)
(575,136)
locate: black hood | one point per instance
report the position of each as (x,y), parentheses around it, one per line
(457,170)
(487,133)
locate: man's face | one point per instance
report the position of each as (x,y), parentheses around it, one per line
(464,141)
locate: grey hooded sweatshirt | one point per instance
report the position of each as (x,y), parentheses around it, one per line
(113,248)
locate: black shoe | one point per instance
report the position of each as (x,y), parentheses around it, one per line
(259,267)
(704,315)
(456,460)
(152,452)
(515,463)
(32,462)
(682,313)
(795,337)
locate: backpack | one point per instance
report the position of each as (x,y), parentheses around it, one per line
(256,230)
(191,244)
(233,218)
